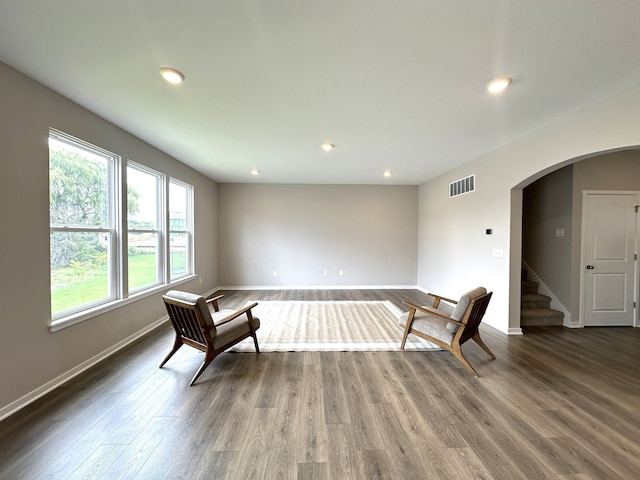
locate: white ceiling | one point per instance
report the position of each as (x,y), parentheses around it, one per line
(396,85)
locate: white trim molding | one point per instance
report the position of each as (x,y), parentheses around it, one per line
(320,287)
(34,395)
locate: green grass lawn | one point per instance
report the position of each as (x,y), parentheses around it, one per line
(95,286)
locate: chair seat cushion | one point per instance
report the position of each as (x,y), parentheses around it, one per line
(230,331)
(443,309)
(432,326)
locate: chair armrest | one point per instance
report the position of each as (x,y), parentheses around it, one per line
(234,315)
(432,313)
(451,320)
(214,301)
(438,298)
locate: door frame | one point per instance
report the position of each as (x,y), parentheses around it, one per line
(583,244)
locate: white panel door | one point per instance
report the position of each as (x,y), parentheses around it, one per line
(610,265)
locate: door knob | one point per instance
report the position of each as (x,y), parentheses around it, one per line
(590,267)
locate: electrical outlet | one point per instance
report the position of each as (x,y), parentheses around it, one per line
(341,273)
(275,273)
(325,273)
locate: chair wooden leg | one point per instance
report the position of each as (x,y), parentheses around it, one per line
(207,360)
(476,338)
(176,345)
(255,342)
(458,354)
(407,327)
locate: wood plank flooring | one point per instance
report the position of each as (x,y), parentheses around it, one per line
(556,404)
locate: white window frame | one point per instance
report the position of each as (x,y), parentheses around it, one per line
(188,231)
(161,261)
(118,230)
(109,228)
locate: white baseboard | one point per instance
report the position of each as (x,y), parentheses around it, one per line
(319,287)
(34,395)
(572,324)
(514,331)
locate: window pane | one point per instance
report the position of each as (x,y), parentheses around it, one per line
(79,269)
(143,260)
(178,207)
(143,206)
(178,254)
(142,199)
(81,257)
(78,186)
(180,224)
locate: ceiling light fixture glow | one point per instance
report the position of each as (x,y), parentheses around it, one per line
(255,172)
(387,173)
(327,146)
(498,85)
(172,75)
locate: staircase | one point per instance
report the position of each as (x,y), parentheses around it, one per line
(535,309)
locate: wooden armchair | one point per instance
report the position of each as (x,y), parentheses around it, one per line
(201,324)
(449,326)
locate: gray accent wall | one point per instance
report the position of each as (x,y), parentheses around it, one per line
(300,231)
(547,231)
(31,355)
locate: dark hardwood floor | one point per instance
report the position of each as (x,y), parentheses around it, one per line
(556,404)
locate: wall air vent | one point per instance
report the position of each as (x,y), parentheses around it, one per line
(464,185)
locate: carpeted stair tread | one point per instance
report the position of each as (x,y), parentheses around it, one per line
(535,308)
(535,300)
(529,286)
(541,312)
(532,297)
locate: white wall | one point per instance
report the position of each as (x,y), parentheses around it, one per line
(608,125)
(30,355)
(368,232)
(455,253)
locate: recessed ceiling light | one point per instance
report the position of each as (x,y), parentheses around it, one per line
(327,146)
(172,75)
(499,84)
(255,172)
(387,173)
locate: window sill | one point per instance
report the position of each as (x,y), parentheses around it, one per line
(70,320)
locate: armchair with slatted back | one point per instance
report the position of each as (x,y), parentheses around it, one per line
(201,324)
(449,323)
